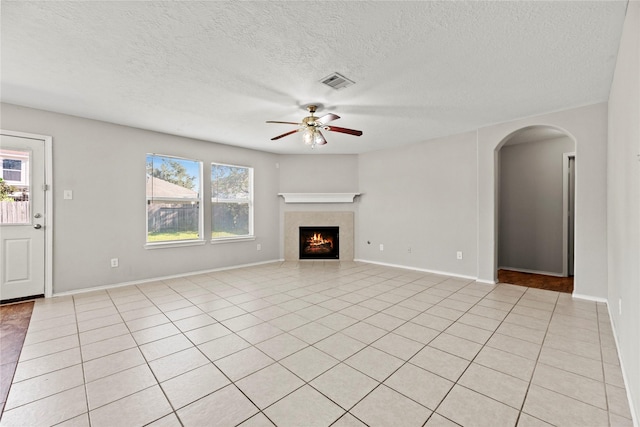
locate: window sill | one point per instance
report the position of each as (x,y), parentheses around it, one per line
(176,244)
(232,239)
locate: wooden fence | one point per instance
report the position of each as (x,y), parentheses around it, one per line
(14,212)
(163,219)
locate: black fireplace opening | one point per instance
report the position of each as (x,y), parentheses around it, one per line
(319,243)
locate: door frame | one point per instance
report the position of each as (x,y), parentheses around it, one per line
(565,212)
(48,204)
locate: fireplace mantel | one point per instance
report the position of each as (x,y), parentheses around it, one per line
(319,197)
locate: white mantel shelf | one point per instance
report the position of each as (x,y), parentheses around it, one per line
(319,197)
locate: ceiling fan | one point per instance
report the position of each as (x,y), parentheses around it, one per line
(311,126)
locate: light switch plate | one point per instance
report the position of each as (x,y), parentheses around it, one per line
(68,194)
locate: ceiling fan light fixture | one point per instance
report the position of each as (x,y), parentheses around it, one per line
(309,137)
(311,126)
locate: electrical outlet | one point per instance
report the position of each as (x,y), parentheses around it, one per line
(114,262)
(259,246)
(381,247)
(409,250)
(459,255)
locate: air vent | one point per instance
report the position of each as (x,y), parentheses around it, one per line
(337,81)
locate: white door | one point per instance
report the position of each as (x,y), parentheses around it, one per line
(22,221)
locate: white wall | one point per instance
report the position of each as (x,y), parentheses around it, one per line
(422,197)
(623,202)
(104,165)
(588,126)
(531,201)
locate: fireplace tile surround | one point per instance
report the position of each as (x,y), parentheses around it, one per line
(294,220)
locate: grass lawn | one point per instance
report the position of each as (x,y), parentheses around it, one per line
(178,235)
(191,235)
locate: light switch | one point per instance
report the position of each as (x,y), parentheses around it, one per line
(68,195)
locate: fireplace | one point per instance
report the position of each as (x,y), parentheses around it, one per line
(319,242)
(293,220)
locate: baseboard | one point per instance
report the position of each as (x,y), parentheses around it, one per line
(524,270)
(632,408)
(425,270)
(486,282)
(589,298)
(155,279)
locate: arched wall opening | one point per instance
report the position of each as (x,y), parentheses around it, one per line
(535,176)
(588,127)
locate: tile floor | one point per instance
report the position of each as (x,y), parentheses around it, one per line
(318,344)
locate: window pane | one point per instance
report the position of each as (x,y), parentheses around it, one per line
(10,175)
(173,198)
(12,164)
(230,219)
(172,221)
(231,195)
(172,177)
(14,196)
(229,182)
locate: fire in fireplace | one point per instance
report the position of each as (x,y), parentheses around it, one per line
(319,243)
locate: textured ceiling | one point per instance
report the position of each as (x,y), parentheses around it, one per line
(217,70)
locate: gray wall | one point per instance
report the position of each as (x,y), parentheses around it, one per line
(588,126)
(317,173)
(530,216)
(435,198)
(623,203)
(104,165)
(420,197)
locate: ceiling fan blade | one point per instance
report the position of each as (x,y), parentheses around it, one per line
(320,140)
(286,123)
(327,118)
(343,130)
(285,134)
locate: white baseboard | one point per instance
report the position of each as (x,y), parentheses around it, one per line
(425,270)
(486,282)
(155,279)
(524,270)
(589,298)
(632,407)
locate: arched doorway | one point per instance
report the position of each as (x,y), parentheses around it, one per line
(534,210)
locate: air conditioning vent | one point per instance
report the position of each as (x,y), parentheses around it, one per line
(337,81)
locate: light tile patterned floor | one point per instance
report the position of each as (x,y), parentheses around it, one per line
(318,344)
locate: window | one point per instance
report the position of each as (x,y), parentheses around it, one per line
(173,199)
(12,170)
(231,201)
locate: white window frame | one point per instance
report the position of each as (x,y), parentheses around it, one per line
(251,235)
(177,243)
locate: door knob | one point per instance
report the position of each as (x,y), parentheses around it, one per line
(37,226)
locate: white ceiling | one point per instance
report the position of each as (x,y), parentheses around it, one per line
(217,70)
